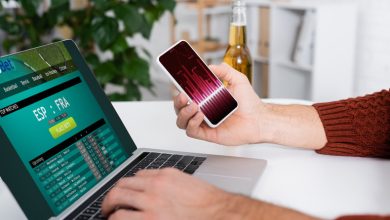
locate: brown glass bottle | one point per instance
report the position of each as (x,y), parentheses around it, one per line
(237,54)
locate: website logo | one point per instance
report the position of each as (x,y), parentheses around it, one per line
(6,65)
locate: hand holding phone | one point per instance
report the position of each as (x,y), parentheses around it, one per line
(192,77)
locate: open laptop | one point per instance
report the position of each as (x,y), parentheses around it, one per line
(63,146)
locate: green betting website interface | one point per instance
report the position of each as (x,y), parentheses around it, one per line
(55,124)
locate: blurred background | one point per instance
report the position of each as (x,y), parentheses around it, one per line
(318,50)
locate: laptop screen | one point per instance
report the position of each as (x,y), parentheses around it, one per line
(55,124)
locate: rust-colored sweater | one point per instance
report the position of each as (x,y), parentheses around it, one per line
(357,127)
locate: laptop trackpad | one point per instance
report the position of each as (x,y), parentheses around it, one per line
(233,174)
(228,183)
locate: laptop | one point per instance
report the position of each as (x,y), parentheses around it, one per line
(63,146)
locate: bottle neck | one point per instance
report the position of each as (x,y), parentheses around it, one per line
(237,34)
(239,13)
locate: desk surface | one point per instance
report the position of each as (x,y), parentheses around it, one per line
(324,186)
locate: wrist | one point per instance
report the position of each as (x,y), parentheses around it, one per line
(267,123)
(241,207)
(291,125)
(234,206)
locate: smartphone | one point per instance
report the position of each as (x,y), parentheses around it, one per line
(192,77)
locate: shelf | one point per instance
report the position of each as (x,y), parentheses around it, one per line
(207,10)
(208,46)
(206,3)
(222,9)
(218,54)
(257,3)
(328,73)
(261,59)
(293,5)
(292,65)
(212,49)
(203,10)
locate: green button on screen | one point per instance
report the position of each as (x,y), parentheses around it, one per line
(62,128)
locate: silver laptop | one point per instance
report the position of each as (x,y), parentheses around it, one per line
(63,145)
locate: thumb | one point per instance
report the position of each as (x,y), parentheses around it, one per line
(227,73)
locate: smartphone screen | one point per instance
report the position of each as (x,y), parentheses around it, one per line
(200,84)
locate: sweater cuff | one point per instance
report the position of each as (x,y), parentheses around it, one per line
(337,122)
(364,217)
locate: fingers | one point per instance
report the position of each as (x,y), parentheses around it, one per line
(227,73)
(180,101)
(127,214)
(143,179)
(123,198)
(137,184)
(193,127)
(185,114)
(147,172)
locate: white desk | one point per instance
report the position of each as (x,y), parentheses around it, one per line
(325,186)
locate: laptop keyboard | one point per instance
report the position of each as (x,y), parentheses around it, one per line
(187,164)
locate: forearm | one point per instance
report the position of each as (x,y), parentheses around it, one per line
(241,207)
(292,125)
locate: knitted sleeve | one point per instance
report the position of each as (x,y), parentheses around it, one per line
(364,217)
(357,126)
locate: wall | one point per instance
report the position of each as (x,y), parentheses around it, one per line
(373,49)
(372,56)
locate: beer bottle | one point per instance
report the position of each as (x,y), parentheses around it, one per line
(237,54)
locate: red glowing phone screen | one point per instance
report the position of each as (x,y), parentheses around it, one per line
(200,84)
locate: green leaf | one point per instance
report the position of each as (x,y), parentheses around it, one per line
(152,15)
(146,29)
(8,44)
(105,31)
(92,59)
(167,4)
(59,3)
(142,4)
(105,72)
(137,70)
(30,6)
(10,24)
(33,35)
(132,19)
(86,36)
(118,79)
(104,5)
(132,91)
(120,45)
(11,27)
(118,97)
(129,54)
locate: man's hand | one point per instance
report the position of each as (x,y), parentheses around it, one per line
(254,121)
(169,194)
(163,194)
(242,127)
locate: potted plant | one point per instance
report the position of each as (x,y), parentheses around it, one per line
(95,25)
